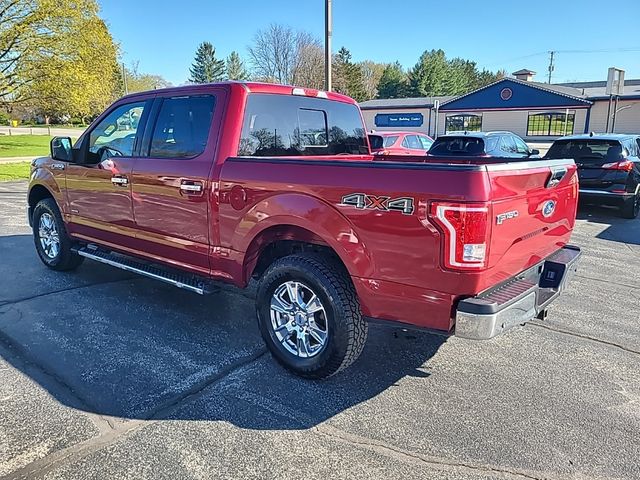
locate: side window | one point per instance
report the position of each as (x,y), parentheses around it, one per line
(115,135)
(630,145)
(638,145)
(182,127)
(411,141)
(521,147)
(425,142)
(507,144)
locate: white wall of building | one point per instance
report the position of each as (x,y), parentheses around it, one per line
(627,118)
(514,121)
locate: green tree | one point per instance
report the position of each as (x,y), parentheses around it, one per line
(371,75)
(206,67)
(429,75)
(348,78)
(55,52)
(236,69)
(393,82)
(79,76)
(141,82)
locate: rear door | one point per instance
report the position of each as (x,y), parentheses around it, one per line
(171,190)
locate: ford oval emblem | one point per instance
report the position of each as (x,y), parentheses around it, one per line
(548,208)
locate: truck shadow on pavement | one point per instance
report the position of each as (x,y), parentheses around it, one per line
(618,230)
(103,341)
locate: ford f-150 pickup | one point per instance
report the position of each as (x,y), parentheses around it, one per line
(234,181)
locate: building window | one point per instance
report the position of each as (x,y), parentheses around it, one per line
(466,123)
(550,124)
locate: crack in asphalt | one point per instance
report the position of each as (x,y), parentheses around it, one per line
(14,301)
(123,427)
(583,336)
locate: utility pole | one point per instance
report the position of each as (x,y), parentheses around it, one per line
(551,66)
(124,79)
(327,44)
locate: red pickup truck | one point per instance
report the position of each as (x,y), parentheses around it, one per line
(235,181)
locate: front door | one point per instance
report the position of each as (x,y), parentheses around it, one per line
(171,191)
(98,188)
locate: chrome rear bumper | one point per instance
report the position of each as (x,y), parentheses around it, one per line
(518,300)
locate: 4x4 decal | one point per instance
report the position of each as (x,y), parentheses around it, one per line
(362,201)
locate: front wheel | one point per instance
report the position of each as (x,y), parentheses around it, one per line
(631,207)
(309,315)
(50,236)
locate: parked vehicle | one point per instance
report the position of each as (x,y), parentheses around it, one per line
(234,181)
(608,168)
(482,144)
(400,143)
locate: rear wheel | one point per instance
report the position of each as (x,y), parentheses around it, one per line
(50,236)
(631,207)
(309,315)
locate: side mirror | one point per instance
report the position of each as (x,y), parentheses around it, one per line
(376,142)
(61,149)
(534,151)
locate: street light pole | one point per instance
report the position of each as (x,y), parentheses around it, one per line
(327,45)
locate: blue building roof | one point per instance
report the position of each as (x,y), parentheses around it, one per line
(513,94)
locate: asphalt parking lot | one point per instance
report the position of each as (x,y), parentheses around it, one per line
(108,375)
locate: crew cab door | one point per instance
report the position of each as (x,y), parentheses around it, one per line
(98,187)
(171,189)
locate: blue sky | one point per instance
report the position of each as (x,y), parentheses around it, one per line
(163,35)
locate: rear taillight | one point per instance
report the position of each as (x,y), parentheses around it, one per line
(466,229)
(625,165)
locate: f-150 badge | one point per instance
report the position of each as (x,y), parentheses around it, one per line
(501,217)
(362,201)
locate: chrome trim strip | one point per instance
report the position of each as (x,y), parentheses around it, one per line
(603,192)
(128,268)
(507,165)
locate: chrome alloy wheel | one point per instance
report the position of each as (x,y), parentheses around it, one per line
(299,319)
(48,235)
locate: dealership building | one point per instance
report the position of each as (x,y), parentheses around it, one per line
(533,110)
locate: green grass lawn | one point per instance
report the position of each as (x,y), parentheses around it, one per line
(24,145)
(14,171)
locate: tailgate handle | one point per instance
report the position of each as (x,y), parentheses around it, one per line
(557,174)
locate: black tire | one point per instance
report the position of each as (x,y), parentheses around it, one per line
(64,258)
(346,329)
(631,208)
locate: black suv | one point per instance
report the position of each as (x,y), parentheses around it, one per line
(608,168)
(481,144)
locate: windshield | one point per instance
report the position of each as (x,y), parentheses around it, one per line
(457,146)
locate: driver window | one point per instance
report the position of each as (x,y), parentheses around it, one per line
(521,147)
(114,136)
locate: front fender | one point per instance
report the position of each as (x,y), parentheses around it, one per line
(43,183)
(311,214)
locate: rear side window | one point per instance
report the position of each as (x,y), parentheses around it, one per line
(411,141)
(182,127)
(388,141)
(457,146)
(589,148)
(282,125)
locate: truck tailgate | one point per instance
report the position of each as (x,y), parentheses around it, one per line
(533,206)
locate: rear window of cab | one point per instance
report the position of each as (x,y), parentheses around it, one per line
(290,125)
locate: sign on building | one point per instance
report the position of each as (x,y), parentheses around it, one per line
(399,120)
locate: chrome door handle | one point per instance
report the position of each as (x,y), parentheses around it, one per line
(191,187)
(119,180)
(57,166)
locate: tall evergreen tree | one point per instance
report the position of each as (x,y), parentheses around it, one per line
(206,67)
(393,82)
(235,68)
(429,76)
(348,76)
